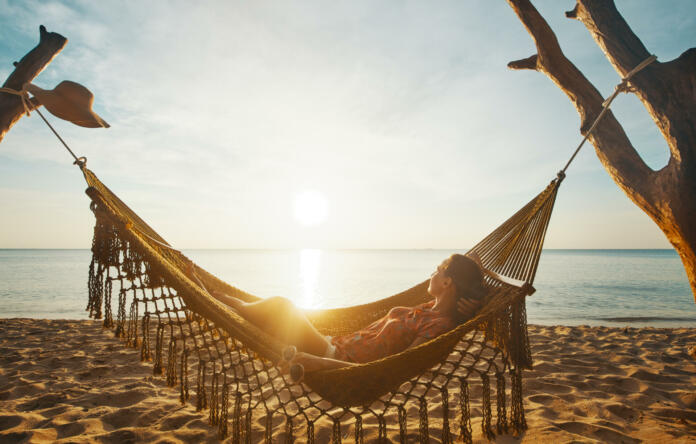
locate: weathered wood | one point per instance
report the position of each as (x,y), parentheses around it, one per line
(655,86)
(528,63)
(11,109)
(668,91)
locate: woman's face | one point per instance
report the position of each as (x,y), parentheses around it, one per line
(439,282)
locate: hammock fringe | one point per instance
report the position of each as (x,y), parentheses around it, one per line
(465,425)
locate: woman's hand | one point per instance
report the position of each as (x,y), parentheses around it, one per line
(475,257)
(467,308)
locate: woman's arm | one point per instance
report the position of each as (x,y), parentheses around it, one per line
(467,308)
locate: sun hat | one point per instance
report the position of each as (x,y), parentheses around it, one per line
(69,101)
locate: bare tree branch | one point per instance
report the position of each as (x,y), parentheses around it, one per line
(614,150)
(611,32)
(660,86)
(668,91)
(528,63)
(11,109)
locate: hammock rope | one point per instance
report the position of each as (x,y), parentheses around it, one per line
(623,86)
(23,94)
(230,357)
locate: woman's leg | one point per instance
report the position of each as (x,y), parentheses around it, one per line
(279,317)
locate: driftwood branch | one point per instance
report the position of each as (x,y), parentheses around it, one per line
(660,86)
(11,109)
(613,146)
(528,63)
(668,91)
(611,32)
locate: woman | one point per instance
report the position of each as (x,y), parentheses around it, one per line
(457,290)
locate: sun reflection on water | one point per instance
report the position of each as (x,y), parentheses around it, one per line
(310,263)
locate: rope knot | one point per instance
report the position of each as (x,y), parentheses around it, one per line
(624,86)
(23,95)
(621,87)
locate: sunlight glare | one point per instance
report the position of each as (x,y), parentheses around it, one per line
(311,208)
(310,261)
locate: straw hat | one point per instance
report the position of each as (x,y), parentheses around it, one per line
(69,101)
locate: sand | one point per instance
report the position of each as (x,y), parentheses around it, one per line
(70,381)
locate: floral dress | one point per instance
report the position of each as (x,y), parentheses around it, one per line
(392,334)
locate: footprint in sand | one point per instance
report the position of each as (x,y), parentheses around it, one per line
(542,399)
(122,418)
(9,421)
(550,413)
(679,414)
(177,421)
(542,386)
(95,372)
(43,402)
(22,436)
(119,436)
(52,412)
(622,411)
(121,399)
(593,431)
(11,357)
(653,377)
(688,400)
(598,395)
(70,429)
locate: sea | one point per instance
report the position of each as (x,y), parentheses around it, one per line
(634,288)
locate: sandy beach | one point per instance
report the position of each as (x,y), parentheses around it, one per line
(71,381)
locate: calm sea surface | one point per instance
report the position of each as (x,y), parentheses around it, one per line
(595,287)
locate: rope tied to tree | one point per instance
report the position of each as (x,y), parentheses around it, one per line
(623,86)
(26,103)
(28,106)
(23,95)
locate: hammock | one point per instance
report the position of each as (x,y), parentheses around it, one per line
(233,358)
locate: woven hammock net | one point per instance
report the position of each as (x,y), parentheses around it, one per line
(228,363)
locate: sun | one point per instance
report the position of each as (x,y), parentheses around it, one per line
(311,208)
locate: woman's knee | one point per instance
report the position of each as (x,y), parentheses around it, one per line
(280,303)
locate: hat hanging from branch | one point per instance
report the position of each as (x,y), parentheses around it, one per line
(69,101)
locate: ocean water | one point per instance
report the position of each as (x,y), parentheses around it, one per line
(574,287)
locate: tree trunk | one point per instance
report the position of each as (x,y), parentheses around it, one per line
(11,109)
(668,91)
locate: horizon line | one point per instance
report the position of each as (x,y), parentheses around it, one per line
(345,249)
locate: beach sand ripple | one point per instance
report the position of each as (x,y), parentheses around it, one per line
(71,381)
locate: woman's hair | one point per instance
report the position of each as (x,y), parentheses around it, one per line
(466,276)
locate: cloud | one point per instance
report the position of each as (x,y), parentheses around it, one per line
(397,110)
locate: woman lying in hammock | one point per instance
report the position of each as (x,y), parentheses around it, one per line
(457,290)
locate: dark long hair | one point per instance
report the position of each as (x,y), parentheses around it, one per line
(467,278)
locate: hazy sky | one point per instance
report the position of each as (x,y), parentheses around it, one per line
(401,113)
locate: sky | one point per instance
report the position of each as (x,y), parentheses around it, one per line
(400,115)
